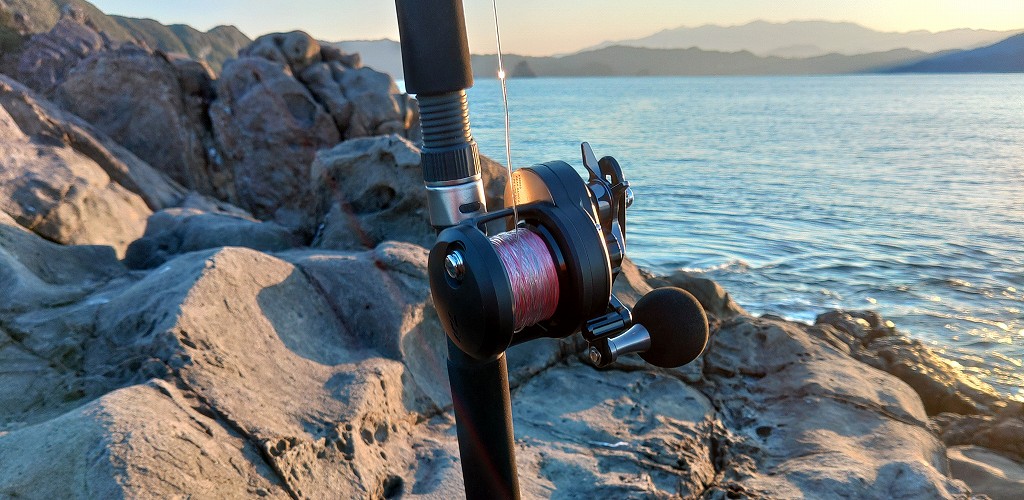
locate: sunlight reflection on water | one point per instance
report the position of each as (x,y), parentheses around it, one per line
(903,194)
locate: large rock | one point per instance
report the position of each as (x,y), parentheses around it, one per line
(63,195)
(1003,432)
(986,472)
(268,128)
(47,124)
(176,231)
(44,320)
(361,101)
(806,420)
(121,446)
(154,107)
(942,386)
(370,190)
(48,57)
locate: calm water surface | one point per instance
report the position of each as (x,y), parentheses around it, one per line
(903,194)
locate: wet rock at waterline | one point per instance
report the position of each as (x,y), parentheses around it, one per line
(942,386)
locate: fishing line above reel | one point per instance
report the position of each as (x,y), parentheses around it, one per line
(550,274)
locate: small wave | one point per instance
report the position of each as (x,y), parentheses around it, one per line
(734,266)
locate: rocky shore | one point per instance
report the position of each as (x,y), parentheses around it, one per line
(216,288)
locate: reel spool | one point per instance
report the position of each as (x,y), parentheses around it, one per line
(551,274)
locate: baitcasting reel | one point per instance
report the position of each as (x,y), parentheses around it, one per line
(551,273)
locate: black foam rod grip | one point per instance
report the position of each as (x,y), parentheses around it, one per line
(435,52)
(677,325)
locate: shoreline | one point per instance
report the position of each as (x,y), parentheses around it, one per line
(268,330)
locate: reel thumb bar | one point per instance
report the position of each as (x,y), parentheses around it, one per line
(435,56)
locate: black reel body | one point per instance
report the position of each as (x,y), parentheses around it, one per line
(475,300)
(551,273)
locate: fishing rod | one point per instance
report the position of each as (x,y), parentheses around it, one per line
(548,275)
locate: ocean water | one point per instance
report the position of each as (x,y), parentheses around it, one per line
(902,194)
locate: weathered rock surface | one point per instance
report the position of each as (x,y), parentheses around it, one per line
(987,473)
(318,374)
(176,231)
(284,99)
(47,124)
(63,195)
(268,128)
(153,106)
(1003,432)
(941,385)
(370,190)
(48,57)
(806,420)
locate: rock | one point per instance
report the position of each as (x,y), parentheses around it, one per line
(48,57)
(361,101)
(806,420)
(137,98)
(987,473)
(715,300)
(175,231)
(121,444)
(1003,433)
(44,320)
(268,128)
(369,190)
(296,49)
(942,386)
(47,124)
(63,195)
(613,434)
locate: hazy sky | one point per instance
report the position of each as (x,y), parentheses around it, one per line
(542,27)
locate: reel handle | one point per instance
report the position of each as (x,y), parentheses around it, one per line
(670,329)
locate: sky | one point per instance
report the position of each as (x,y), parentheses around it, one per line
(545,27)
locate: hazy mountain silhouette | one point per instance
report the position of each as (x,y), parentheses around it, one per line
(809,38)
(630,61)
(1006,56)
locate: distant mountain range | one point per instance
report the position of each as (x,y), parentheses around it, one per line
(800,39)
(637,61)
(214,46)
(1006,56)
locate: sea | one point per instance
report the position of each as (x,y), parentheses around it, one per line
(902,194)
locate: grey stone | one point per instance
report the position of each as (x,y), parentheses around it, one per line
(175,231)
(987,472)
(268,128)
(47,124)
(137,98)
(370,190)
(48,57)
(63,195)
(942,386)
